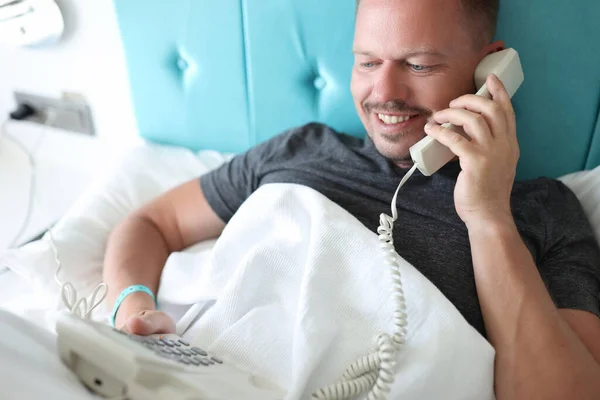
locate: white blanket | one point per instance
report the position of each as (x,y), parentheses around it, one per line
(296,290)
(302,291)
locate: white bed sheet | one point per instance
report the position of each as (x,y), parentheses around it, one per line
(11,286)
(30,368)
(18,297)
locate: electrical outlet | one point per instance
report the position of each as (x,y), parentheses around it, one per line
(70,113)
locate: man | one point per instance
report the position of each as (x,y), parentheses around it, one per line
(518,260)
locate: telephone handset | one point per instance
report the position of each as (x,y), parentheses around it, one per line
(429,155)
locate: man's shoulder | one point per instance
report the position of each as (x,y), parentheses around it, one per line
(550,214)
(542,190)
(318,133)
(547,201)
(313,137)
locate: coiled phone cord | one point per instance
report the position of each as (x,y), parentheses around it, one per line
(78,306)
(377,371)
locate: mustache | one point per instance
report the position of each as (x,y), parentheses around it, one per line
(395,106)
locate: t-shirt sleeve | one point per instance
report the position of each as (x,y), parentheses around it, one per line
(570,265)
(228,186)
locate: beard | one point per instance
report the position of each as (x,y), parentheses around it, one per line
(396,146)
(391,147)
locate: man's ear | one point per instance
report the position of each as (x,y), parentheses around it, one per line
(494,47)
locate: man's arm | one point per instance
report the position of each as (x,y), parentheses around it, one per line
(139,247)
(540,354)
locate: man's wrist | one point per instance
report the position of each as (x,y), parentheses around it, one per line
(495,225)
(133,304)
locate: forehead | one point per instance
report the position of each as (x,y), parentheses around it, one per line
(394,26)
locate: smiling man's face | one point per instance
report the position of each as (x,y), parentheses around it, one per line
(412,57)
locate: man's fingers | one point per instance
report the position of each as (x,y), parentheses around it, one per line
(457,143)
(498,90)
(139,326)
(501,96)
(149,323)
(474,125)
(491,111)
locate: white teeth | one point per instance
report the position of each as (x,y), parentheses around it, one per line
(392,119)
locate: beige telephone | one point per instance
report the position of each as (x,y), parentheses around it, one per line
(429,155)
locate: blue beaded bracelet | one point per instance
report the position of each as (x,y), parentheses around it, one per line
(126,292)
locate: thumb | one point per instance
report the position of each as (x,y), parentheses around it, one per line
(148,323)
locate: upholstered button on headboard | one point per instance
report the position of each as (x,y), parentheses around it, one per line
(228,74)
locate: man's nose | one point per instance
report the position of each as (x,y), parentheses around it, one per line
(391,84)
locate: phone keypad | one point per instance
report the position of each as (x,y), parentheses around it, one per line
(176,350)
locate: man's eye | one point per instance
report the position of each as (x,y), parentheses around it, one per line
(417,67)
(367,65)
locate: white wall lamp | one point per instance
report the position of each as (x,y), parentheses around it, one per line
(30,22)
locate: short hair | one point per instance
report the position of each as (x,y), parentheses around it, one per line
(480,16)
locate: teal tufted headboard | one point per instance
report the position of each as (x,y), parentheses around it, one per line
(228,74)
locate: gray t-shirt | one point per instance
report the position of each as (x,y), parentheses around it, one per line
(428,233)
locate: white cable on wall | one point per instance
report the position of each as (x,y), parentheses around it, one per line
(30,154)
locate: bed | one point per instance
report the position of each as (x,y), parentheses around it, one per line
(277,64)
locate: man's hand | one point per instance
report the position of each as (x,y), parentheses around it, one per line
(138,316)
(148,323)
(539,355)
(488,158)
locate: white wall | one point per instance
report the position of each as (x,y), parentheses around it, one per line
(89,60)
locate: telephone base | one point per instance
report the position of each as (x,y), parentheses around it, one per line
(118,365)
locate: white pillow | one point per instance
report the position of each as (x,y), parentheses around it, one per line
(81,235)
(586,186)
